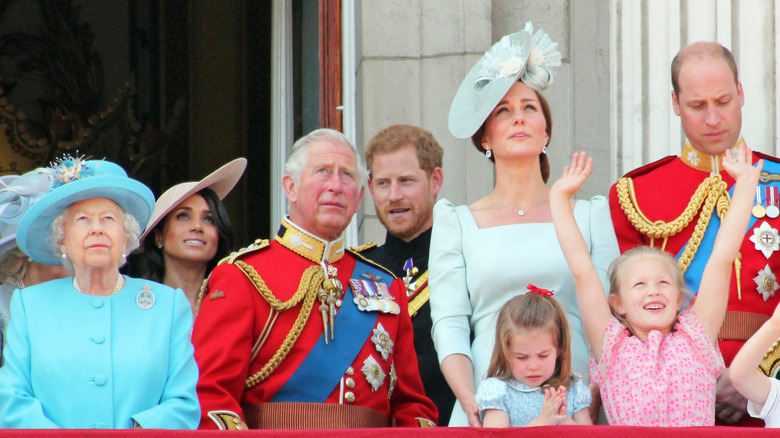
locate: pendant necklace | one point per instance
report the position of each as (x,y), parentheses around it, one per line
(522,211)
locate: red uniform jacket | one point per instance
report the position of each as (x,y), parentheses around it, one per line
(233,314)
(663,190)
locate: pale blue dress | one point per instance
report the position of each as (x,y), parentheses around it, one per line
(474,271)
(524,403)
(82,361)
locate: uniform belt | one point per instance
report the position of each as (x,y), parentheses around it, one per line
(740,326)
(297,415)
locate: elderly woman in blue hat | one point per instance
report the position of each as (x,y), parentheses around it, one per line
(98,349)
(17,194)
(484,253)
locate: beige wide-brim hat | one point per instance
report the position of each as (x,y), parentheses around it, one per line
(221,181)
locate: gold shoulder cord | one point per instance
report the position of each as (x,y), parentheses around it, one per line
(311,281)
(710,194)
(771,362)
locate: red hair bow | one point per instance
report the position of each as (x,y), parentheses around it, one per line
(532,289)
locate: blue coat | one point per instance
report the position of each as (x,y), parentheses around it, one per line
(81,361)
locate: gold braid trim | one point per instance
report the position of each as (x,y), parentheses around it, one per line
(707,196)
(311,282)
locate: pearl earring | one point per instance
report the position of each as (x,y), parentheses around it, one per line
(488,153)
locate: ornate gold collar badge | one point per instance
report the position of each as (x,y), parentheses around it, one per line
(308,245)
(712,164)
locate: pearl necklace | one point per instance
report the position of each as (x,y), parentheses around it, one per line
(119,284)
(522,211)
(20,281)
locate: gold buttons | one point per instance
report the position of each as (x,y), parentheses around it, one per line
(349,396)
(350,371)
(350,382)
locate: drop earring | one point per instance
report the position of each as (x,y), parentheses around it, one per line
(544,150)
(488,153)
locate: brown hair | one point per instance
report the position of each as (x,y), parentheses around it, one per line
(643,251)
(532,311)
(700,50)
(544,163)
(394,137)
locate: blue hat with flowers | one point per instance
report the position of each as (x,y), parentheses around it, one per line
(522,56)
(75,179)
(17,194)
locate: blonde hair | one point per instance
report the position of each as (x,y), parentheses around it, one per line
(615,269)
(526,312)
(12,265)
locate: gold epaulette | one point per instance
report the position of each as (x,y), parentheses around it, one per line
(364,247)
(362,258)
(257,245)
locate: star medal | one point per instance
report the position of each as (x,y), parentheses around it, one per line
(373,372)
(145,298)
(411,271)
(758,210)
(382,341)
(767,283)
(772,210)
(766,239)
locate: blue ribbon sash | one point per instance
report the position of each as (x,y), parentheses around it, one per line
(322,369)
(696,268)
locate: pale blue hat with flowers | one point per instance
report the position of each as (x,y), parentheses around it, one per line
(75,179)
(522,56)
(17,194)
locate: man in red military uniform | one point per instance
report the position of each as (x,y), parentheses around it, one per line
(675,203)
(301,333)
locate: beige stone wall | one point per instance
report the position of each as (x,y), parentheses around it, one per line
(413,54)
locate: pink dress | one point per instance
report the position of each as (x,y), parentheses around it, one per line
(667,380)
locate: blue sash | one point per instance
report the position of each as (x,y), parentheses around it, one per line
(322,369)
(696,268)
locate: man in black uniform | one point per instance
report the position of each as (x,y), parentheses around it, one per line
(405,177)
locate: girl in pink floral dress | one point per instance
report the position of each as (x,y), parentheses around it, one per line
(655,366)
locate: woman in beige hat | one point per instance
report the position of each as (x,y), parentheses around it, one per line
(189,231)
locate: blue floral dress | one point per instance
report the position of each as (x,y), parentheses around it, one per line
(523,403)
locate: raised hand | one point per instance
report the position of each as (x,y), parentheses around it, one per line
(574,176)
(739,164)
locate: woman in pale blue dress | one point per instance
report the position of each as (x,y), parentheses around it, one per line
(489,251)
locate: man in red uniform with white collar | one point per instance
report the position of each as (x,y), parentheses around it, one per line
(301,333)
(675,203)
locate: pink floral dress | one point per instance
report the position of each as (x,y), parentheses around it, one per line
(667,380)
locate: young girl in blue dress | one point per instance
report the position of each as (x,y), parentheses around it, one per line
(529,379)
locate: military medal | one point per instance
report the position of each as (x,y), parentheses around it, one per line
(765,239)
(382,341)
(145,298)
(373,372)
(772,211)
(411,271)
(758,209)
(767,283)
(372,296)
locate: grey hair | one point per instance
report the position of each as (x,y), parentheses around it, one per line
(130,225)
(299,154)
